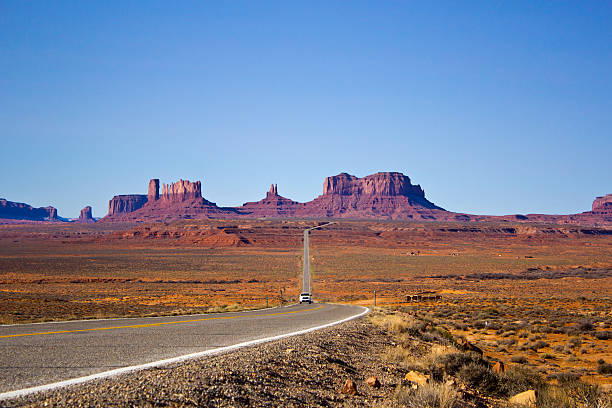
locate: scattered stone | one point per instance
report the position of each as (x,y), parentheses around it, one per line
(499,367)
(373,382)
(349,388)
(467,346)
(417,378)
(527,398)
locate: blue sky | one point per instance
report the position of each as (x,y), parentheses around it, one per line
(493,107)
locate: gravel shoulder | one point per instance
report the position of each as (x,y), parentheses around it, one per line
(306,370)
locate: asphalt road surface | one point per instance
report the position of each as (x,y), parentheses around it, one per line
(33,355)
(306,270)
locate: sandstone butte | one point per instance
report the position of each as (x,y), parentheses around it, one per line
(21,211)
(85,216)
(385,195)
(603,204)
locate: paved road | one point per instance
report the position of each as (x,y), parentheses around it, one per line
(306,270)
(37,354)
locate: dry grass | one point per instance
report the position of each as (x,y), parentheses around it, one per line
(445,366)
(430,396)
(393,323)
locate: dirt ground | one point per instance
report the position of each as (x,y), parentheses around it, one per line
(539,283)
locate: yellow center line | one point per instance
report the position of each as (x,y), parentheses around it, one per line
(157,324)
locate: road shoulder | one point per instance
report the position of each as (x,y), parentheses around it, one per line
(307,370)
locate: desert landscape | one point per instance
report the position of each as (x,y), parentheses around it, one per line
(536,295)
(529,294)
(306,204)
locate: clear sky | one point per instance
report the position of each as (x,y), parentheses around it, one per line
(494,107)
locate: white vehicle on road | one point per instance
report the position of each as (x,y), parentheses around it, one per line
(305,297)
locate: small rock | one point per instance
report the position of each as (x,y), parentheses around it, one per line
(349,388)
(417,378)
(499,367)
(467,346)
(527,398)
(373,382)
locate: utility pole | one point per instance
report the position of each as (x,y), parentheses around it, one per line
(374,298)
(306,270)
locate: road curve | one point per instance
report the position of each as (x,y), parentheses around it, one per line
(36,357)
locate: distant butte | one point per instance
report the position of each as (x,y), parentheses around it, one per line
(21,211)
(180,200)
(272,206)
(603,205)
(381,195)
(384,195)
(85,216)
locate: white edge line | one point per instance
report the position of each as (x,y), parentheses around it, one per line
(160,363)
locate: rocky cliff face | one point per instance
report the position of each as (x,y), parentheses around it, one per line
(379,184)
(603,204)
(126,203)
(183,190)
(388,195)
(273,192)
(123,204)
(180,200)
(153,194)
(273,205)
(85,215)
(22,211)
(382,195)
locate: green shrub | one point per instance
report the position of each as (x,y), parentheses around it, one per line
(480,324)
(445,334)
(480,377)
(452,362)
(518,379)
(538,345)
(518,359)
(604,368)
(603,335)
(584,325)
